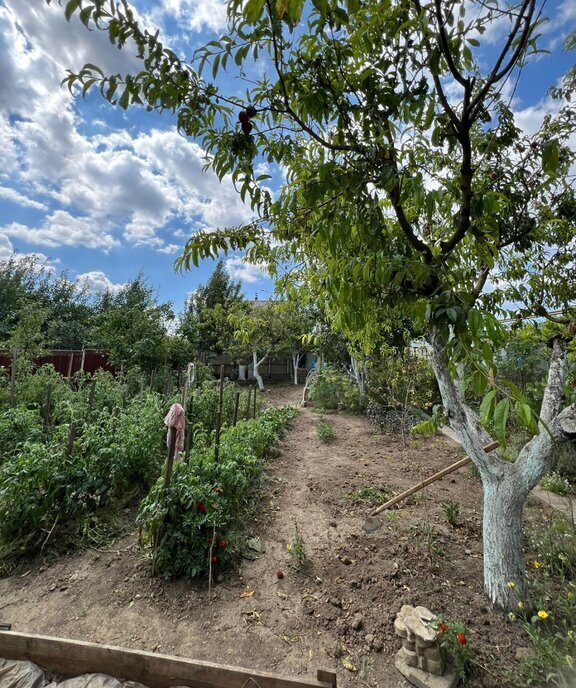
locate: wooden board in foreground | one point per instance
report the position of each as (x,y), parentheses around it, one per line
(75,657)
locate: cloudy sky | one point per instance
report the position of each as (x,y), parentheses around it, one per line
(103,193)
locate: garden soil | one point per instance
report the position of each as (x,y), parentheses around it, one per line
(337,610)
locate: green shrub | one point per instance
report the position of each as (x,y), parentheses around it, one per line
(45,490)
(204,505)
(554,482)
(17,426)
(325,431)
(333,389)
(451,510)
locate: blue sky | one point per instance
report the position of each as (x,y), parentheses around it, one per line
(104,194)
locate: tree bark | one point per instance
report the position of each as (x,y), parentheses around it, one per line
(504,570)
(505,486)
(256,364)
(295,361)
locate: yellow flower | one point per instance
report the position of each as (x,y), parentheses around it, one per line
(511,584)
(289,547)
(542,614)
(512,616)
(537,564)
(569,660)
(520,605)
(569,595)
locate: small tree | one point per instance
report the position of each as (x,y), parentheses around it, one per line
(205,319)
(131,326)
(261,333)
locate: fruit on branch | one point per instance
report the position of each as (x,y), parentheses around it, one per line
(243,117)
(247,127)
(251,111)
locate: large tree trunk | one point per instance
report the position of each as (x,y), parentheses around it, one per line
(256,365)
(506,486)
(357,373)
(504,573)
(295,361)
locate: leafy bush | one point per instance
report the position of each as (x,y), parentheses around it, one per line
(332,389)
(325,431)
(451,510)
(17,426)
(47,493)
(206,500)
(398,383)
(554,482)
(564,462)
(549,616)
(455,640)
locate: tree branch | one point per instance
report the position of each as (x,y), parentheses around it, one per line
(285,98)
(525,15)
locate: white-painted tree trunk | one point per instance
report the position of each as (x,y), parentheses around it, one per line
(295,361)
(358,374)
(506,486)
(256,365)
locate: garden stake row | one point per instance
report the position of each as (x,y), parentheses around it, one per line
(416,488)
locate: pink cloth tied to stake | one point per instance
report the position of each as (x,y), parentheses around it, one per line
(175,419)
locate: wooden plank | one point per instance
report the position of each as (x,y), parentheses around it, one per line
(75,657)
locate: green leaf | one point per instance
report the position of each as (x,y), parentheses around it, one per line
(486,407)
(253,10)
(501,419)
(550,157)
(475,321)
(527,417)
(70,8)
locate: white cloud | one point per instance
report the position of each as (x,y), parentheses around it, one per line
(18,198)
(122,186)
(170,248)
(96,282)
(62,229)
(246,272)
(6,248)
(192,14)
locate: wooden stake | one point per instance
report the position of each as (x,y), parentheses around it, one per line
(91,394)
(167,481)
(71,438)
(432,479)
(83,359)
(248,404)
(219,416)
(13,378)
(236,405)
(170,459)
(188,442)
(46,415)
(255,390)
(152,378)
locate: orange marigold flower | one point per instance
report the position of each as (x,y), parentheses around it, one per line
(442,627)
(461,638)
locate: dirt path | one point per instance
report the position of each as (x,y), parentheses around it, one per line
(342,602)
